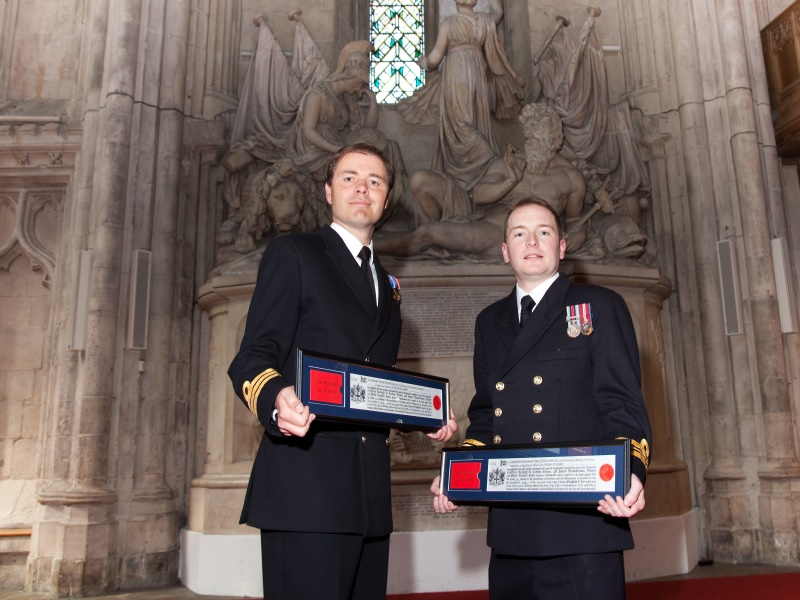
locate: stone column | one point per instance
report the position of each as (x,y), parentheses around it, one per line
(780,460)
(713,349)
(151,540)
(777,502)
(73,546)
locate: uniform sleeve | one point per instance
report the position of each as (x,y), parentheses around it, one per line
(479,432)
(617,381)
(269,333)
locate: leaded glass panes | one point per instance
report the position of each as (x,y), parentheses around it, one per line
(397,34)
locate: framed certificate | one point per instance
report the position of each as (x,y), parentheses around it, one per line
(575,474)
(346,390)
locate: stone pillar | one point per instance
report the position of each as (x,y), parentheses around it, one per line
(73,549)
(779,519)
(151,531)
(697,163)
(780,460)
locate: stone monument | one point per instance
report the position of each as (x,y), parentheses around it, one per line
(447,256)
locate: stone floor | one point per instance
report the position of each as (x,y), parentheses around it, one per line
(181,593)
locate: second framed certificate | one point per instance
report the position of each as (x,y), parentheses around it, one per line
(346,390)
(576,474)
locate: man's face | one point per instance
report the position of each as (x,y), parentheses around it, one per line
(532,247)
(357,193)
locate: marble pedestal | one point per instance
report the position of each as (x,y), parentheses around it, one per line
(429,553)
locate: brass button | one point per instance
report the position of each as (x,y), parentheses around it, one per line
(537,408)
(500,386)
(498,412)
(537,380)
(387,441)
(537,437)
(363,439)
(497,439)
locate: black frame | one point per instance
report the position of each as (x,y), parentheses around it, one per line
(338,406)
(473,473)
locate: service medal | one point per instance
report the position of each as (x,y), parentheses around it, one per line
(395,283)
(586,318)
(573,327)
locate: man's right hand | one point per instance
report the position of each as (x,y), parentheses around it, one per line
(441,503)
(293,418)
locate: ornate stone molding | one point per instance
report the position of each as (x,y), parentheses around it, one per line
(28,211)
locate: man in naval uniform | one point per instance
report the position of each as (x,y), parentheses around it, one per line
(556,362)
(320,492)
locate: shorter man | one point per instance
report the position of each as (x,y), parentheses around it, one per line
(536,382)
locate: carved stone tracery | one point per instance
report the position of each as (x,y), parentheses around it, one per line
(28,210)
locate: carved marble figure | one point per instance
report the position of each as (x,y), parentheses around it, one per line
(271,94)
(574,83)
(474,79)
(278,199)
(546,175)
(293,117)
(330,117)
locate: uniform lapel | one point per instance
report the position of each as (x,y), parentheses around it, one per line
(547,311)
(507,320)
(349,269)
(384,295)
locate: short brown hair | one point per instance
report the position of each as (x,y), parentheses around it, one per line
(533,201)
(361,148)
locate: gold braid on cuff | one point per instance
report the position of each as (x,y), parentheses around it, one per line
(472,443)
(641,450)
(251,389)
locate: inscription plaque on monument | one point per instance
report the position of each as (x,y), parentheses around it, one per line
(441,321)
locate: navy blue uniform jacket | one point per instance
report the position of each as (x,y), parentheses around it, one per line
(537,384)
(311,294)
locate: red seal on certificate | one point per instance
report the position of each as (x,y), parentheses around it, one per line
(606,472)
(437,403)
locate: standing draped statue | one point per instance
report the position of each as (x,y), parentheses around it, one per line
(474,79)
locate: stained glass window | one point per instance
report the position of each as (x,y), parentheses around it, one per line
(397,34)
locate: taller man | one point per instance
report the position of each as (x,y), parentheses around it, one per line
(321,493)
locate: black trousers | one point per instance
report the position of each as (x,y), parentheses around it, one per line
(334,566)
(577,577)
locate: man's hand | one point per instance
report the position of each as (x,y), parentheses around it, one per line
(293,417)
(446,432)
(632,504)
(441,504)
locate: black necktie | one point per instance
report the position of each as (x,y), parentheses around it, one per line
(364,255)
(526,305)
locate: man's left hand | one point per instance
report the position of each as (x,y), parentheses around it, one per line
(446,432)
(627,507)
